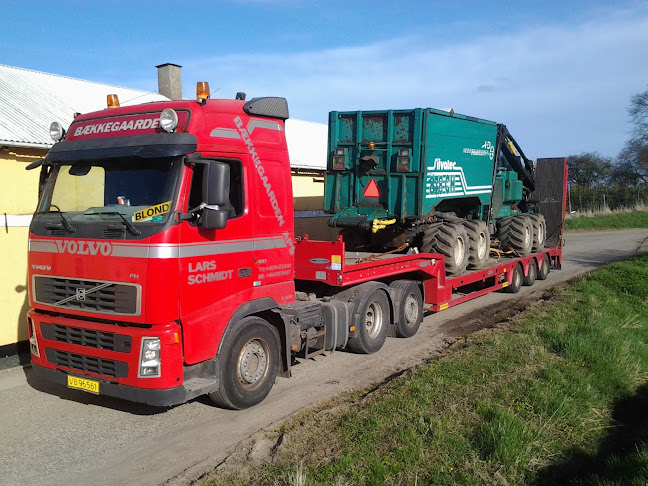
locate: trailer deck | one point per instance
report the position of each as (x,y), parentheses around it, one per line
(328,262)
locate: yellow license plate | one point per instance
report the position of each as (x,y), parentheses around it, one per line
(83,384)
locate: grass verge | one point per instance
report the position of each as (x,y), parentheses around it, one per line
(559,396)
(607,220)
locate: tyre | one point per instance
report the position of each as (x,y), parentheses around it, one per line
(532,272)
(372,313)
(478,243)
(451,240)
(516,280)
(545,268)
(409,309)
(539,231)
(516,233)
(249,366)
(354,239)
(429,237)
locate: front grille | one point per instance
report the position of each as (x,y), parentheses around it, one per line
(87,364)
(113,233)
(88,295)
(86,337)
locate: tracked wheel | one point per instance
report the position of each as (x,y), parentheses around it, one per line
(478,243)
(516,233)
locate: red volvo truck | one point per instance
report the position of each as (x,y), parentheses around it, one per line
(163,263)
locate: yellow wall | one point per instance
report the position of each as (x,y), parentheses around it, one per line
(18,197)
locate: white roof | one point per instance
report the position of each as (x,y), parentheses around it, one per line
(307,144)
(31,100)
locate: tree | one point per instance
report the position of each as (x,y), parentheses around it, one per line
(633,159)
(589,169)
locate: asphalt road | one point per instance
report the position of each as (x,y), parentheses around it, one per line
(52,435)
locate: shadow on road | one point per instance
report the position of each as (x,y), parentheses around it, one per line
(618,459)
(88,398)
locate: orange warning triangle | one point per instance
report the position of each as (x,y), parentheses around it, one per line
(371,191)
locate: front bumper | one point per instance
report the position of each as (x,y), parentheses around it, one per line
(157,398)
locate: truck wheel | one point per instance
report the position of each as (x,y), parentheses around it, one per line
(373,323)
(410,308)
(532,272)
(545,268)
(516,233)
(516,280)
(479,243)
(539,231)
(249,366)
(451,240)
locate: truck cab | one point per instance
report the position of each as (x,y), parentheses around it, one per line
(158,226)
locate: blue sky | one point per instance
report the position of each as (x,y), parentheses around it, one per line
(559,74)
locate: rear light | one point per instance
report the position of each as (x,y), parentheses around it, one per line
(403,160)
(33,341)
(339,159)
(149,358)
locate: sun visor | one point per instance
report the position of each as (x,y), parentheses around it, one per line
(145,146)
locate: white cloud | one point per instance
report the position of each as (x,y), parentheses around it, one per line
(560,89)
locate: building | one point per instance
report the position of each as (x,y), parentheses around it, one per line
(30,101)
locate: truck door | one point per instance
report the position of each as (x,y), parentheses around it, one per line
(215,268)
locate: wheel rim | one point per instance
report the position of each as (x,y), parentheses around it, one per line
(481,246)
(527,236)
(517,278)
(374,319)
(459,251)
(541,233)
(411,309)
(253,362)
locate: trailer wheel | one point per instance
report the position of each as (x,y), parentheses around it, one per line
(516,280)
(516,233)
(410,308)
(373,323)
(531,275)
(539,231)
(249,367)
(545,268)
(479,243)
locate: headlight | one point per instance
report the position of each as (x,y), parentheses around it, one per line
(57,132)
(168,119)
(149,358)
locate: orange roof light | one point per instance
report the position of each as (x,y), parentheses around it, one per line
(202,91)
(113,101)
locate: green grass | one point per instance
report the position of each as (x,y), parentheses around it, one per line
(616,220)
(559,396)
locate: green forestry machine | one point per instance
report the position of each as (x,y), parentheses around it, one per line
(432,180)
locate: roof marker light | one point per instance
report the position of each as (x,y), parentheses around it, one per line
(202,91)
(168,119)
(112,100)
(57,132)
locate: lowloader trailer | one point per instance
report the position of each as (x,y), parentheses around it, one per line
(163,263)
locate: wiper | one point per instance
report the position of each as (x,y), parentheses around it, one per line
(128,224)
(66,223)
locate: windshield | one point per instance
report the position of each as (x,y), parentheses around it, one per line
(132,191)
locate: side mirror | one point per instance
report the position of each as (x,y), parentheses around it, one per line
(215,192)
(213,219)
(216,184)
